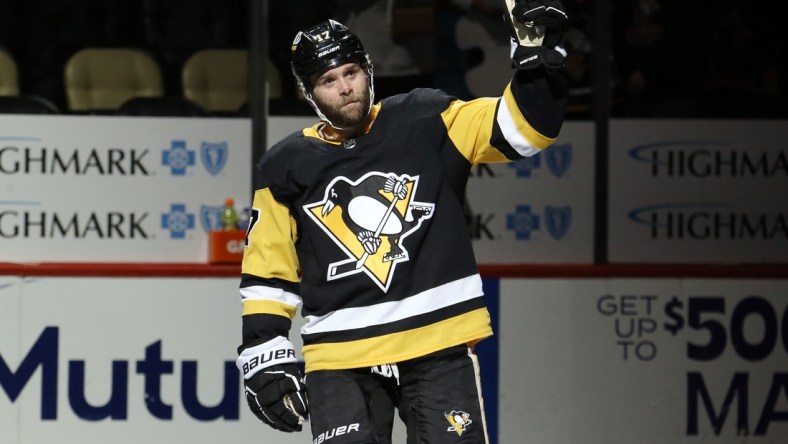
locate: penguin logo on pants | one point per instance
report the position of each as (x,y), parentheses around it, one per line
(369,219)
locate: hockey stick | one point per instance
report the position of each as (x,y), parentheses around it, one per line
(342,268)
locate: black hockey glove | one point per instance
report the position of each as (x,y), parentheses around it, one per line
(274,388)
(536,28)
(277,397)
(547,13)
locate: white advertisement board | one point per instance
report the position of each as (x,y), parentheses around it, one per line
(644,361)
(137,360)
(690,191)
(539,209)
(598,361)
(117,189)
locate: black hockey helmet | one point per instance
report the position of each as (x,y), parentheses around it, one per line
(322,47)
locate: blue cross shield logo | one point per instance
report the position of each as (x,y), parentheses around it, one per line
(178,221)
(559,159)
(557,220)
(214,156)
(179,158)
(523,222)
(211,217)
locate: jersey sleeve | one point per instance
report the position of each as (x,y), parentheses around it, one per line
(522,122)
(270,268)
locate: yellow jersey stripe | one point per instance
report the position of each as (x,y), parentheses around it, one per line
(255,306)
(401,346)
(469,126)
(271,252)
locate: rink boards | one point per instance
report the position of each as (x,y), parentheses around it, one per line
(601,360)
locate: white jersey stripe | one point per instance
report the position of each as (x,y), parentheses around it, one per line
(262,293)
(510,133)
(433,299)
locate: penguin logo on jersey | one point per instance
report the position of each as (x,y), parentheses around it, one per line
(369,219)
(459,421)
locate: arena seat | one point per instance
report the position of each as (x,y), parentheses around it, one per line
(100,80)
(217,80)
(9,75)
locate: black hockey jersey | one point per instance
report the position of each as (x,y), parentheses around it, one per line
(370,235)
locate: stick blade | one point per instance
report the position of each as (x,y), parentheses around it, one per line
(343,268)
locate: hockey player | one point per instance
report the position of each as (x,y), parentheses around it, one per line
(360,220)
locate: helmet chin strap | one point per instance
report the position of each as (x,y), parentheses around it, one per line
(326,119)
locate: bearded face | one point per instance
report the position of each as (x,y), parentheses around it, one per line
(345,112)
(342,95)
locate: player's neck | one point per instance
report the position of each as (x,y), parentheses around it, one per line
(331,134)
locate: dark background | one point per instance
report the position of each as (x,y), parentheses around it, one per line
(668,59)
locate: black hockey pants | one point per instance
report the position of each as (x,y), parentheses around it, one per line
(438,397)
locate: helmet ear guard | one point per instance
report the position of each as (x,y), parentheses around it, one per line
(322,47)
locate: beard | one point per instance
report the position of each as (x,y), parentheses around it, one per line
(347,112)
